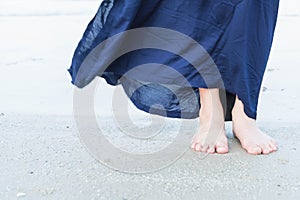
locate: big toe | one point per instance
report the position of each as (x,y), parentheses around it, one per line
(222,148)
(254,149)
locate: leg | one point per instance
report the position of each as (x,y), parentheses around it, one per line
(252,139)
(211,135)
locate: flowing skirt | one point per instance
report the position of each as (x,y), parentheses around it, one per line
(163,51)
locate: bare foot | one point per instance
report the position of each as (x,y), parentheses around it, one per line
(252,139)
(211,135)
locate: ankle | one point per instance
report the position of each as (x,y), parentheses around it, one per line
(241,122)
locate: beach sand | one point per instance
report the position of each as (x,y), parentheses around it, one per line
(41,156)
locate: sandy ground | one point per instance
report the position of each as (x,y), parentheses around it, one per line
(41,156)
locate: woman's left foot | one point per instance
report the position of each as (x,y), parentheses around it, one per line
(252,139)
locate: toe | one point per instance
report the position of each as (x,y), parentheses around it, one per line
(198,147)
(255,150)
(272,146)
(222,149)
(204,148)
(193,145)
(265,149)
(211,149)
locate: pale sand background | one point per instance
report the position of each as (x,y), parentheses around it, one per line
(41,155)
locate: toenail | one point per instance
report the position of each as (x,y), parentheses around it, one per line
(198,147)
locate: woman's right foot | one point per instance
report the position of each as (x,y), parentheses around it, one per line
(212,140)
(211,137)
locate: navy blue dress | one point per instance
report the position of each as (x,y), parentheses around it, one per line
(236,34)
